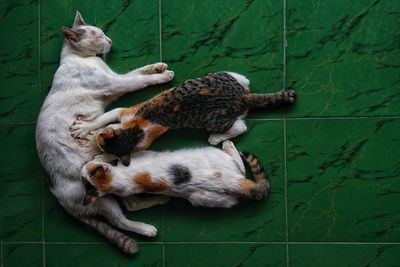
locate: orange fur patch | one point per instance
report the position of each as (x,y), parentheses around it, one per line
(131,110)
(139,121)
(144,180)
(246,186)
(100,179)
(152,133)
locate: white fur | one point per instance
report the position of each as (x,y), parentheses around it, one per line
(82,87)
(214,182)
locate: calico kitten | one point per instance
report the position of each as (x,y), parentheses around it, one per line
(217,102)
(82,87)
(207,177)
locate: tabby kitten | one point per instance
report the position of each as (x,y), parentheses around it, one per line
(217,102)
(207,177)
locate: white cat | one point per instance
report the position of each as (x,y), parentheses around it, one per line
(82,87)
(207,177)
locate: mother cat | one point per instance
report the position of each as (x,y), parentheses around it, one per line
(82,87)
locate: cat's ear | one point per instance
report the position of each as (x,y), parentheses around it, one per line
(78,20)
(71,35)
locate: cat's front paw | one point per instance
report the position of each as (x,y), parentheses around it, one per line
(80,129)
(158,78)
(148,230)
(155,68)
(166,76)
(214,140)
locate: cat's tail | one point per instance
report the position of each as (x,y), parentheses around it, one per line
(262,184)
(263,101)
(122,241)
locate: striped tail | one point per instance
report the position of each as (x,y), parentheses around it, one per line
(265,101)
(262,189)
(122,241)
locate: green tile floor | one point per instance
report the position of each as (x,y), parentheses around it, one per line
(333,158)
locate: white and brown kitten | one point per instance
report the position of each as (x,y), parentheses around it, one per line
(82,87)
(207,177)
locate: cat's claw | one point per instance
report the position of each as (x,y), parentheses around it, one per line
(80,129)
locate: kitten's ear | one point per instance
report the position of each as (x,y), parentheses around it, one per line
(125,159)
(90,197)
(70,34)
(78,20)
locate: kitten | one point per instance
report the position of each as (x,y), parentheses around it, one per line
(82,87)
(207,177)
(217,102)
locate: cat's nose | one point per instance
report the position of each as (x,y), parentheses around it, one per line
(109,40)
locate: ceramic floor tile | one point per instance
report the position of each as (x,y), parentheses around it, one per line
(343,180)
(344,255)
(249,221)
(132,25)
(101,255)
(251,255)
(241,36)
(15,255)
(19,94)
(342,57)
(22,179)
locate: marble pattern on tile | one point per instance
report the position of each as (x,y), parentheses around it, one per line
(101,255)
(344,255)
(19,94)
(15,255)
(184,255)
(343,180)
(342,57)
(241,36)
(250,220)
(22,180)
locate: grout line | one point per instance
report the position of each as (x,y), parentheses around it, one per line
(285,137)
(40,97)
(39,52)
(160,28)
(1,253)
(43,239)
(211,242)
(161,60)
(325,118)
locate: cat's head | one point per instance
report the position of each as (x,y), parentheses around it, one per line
(97,178)
(120,142)
(86,40)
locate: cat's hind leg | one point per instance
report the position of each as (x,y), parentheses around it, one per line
(133,203)
(229,148)
(212,200)
(109,209)
(237,128)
